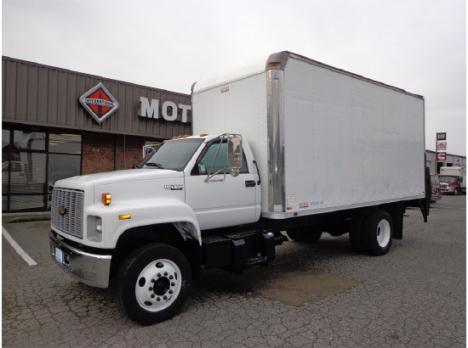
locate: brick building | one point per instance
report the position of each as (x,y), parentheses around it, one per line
(58,123)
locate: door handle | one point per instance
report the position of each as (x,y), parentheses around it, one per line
(250,183)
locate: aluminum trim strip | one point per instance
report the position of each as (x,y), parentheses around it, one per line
(275,121)
(284,215)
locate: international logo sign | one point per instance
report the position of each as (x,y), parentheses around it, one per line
(99,102)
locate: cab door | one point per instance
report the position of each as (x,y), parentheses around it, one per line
(218,198)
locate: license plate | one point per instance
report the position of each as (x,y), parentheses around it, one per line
(58,255)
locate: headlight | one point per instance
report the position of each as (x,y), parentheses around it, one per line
(94,228)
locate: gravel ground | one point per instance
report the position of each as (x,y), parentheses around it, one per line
(322,295)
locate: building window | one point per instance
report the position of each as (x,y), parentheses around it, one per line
(32,162)
(65,143)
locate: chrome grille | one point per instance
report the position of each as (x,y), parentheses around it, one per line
(67,211)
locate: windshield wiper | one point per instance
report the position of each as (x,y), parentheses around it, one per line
(153,164)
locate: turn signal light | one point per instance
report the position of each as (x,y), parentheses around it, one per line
(125,216)
(106,198)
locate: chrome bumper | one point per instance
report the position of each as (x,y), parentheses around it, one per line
(91,269)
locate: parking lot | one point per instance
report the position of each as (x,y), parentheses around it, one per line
(321,295)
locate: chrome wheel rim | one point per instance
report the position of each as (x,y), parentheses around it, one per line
(383,233)
(158,285)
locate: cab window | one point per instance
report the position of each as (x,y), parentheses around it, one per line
(215,159)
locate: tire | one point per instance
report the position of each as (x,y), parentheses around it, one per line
(378,232)
(153,283)
(304,236)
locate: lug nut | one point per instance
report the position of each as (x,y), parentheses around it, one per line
(171,277)
(165,273)
(153,280)
(172,284)
(170,291)
(165,297)
(150,288)
(152,295)
(158,299)
(159,274)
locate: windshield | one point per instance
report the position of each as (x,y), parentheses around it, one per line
(448,179)
(173,154)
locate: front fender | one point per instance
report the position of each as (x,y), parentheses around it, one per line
(145,212)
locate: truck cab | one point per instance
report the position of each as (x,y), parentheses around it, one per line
(190,184)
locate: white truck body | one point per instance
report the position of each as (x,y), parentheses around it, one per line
(324,139)
(453,171)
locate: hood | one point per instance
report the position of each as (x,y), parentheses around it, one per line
(120,176)
(127,184)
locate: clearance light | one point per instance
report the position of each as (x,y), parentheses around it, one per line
(273,65)
(125,216)
(106,198)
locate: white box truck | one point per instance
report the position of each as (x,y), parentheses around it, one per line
(291,145)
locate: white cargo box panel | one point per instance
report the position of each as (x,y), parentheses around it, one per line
(324,139)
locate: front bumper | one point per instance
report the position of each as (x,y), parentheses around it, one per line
(91,269)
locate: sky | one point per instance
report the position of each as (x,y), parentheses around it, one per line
(417,45)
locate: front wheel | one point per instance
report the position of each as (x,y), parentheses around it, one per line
(153,282)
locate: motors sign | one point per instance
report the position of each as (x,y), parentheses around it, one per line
(168,110)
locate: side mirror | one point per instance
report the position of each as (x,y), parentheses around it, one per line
(234,153)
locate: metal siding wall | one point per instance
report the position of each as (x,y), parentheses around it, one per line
(10,93)
(32,93)
(36,94)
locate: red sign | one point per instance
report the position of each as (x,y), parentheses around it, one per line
(441,156)
(99,102)
(441,146)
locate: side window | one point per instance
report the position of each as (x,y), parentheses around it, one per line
(215,159)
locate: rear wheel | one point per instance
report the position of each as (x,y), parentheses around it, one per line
(153,282)
(378,232)
(304,236)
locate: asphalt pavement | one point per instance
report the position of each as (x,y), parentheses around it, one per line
(320,295)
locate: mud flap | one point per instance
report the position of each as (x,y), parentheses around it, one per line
(425,203)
